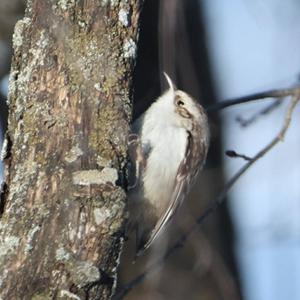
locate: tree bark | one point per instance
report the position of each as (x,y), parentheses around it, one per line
(63,201)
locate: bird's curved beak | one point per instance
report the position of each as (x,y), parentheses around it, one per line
(170,83)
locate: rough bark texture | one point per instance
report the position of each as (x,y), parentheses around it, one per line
(63,205)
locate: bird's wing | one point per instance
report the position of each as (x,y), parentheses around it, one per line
(195,155)
(137,161)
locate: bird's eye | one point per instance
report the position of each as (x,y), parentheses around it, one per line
(180,103)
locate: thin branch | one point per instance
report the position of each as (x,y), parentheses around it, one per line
(246,122)
(216,203)
(233,154)
(282,93)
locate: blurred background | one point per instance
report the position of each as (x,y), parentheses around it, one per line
(217,50)
(10,12)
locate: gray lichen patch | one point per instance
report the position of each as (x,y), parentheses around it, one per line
(65,4)
(82,24)
(73,154)
(18,41)
(12,84)
(97,86)
(18,33)
(43,41)
(103,162)
(85,272)
(82,55)
(101,214)
(65,294)
(7,244)
(89,177)
(34,60)
(30,237)
(3,276)
(20,184)
(104,2)
(112,3)
(61,254)
(129,49)
(124,17)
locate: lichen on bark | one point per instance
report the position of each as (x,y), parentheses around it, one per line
(70,108)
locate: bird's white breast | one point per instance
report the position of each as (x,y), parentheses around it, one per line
(168,146)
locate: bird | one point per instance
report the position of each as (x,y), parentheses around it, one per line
(167,147)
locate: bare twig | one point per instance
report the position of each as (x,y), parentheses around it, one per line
(232,153)
(281,94)
(266,110)
(221,197)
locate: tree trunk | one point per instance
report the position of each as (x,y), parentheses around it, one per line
(63,203)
